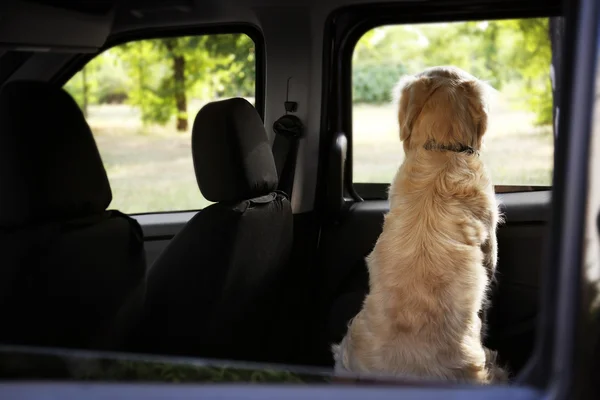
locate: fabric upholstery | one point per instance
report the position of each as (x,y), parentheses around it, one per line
(215,290)
(68,264)
(62,284)
(51,168)
(232,155)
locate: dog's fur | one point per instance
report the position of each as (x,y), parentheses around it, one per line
(432,265)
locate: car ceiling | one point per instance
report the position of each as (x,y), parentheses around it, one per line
(84,25)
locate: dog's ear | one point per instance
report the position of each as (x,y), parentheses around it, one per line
(410,94)
(476,95)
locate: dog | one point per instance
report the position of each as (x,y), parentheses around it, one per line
(432,265)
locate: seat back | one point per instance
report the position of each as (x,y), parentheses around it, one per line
(68,264)
(219,289)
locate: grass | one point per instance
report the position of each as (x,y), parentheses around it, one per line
(516,152)
(151,169)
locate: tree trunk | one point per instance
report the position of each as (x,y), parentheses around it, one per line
(178,84)
(180,97)
(84,83)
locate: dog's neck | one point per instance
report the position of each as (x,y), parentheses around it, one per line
(456,148)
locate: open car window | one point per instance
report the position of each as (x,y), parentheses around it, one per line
(513,56)
(140,99)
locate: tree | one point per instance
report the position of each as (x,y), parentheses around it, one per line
(176,49)
(146,68)
(235,64)
(159,76)
(508,54)
(502,52)
(532,57)
(168,71)
(84,85)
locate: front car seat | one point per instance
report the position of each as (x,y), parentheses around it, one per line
(68,265)
(218,290)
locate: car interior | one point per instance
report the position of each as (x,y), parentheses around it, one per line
(264,261)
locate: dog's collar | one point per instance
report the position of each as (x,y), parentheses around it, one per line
(457,148)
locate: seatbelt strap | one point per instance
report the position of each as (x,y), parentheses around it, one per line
(284,151)
(288,130)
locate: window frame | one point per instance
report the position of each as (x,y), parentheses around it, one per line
(252,31)
(345,28)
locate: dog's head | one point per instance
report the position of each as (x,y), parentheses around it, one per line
(442,104)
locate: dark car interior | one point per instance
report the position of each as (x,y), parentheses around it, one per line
(56,194)
(274,268)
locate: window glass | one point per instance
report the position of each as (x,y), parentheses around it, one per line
(140,99)
(514,56)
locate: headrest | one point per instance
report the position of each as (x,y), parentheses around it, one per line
(233,159)
(50,168)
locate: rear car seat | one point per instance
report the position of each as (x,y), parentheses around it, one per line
(68,264)
(220,288)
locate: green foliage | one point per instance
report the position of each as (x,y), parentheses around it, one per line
(84,86)
(159,76)
(236,71)
(112,79)
(506,53)
(145,68)
(372,83)
(533,62)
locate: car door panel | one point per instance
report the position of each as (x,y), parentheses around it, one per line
(515,301)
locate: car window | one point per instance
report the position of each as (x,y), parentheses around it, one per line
(140,99)
(514,56)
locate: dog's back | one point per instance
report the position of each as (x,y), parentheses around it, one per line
(427,271)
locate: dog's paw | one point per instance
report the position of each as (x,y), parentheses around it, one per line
(335,349)
(340,361)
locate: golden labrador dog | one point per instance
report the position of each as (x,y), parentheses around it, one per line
(432,265)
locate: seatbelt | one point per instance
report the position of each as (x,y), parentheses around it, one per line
(288,130)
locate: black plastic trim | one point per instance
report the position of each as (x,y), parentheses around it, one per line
(538,371)
(562,313)
(518,207)
(11,61)
(379,191)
